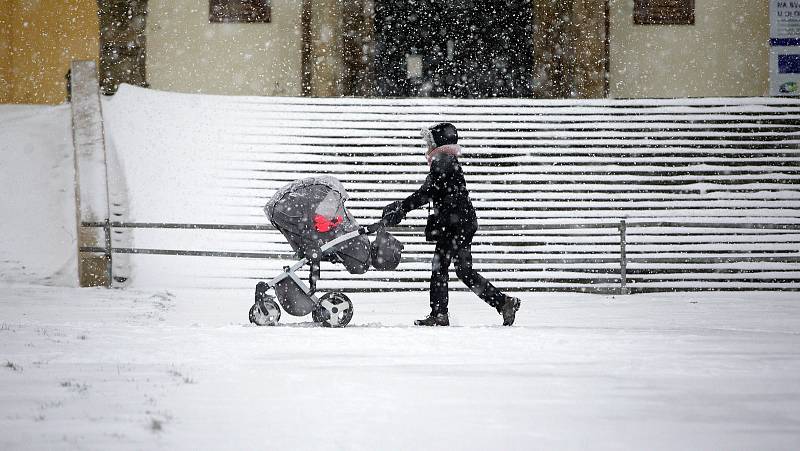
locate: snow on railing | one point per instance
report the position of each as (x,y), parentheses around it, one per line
(548,178)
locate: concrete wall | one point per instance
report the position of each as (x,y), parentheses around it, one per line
(186,53)
(724,54)
(41,38)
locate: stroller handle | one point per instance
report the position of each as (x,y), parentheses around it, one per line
(372,228)
(367,230)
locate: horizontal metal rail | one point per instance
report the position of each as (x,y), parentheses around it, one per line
(548,226)
(184,253)
(621,278)
(171,225)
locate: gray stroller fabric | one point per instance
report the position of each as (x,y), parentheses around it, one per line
(310,212)
(293,299)
(386,251)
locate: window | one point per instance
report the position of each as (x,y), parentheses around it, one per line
(239,11)
(663,12)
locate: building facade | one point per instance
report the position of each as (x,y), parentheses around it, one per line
(465,48)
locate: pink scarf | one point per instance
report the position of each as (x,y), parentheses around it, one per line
(449,149)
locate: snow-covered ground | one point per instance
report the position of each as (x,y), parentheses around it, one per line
(133,369)
(146,368)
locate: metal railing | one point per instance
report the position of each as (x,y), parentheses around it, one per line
(623,226)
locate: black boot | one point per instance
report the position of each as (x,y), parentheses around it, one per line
(439,319)
(509,310)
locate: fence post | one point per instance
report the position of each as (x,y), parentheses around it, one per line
(109,250)
(623,260)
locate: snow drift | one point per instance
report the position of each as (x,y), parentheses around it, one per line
(37,182)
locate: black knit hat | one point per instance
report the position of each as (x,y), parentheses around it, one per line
(444,133)
(441,134)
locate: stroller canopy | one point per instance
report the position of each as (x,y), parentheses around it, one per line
(323,195)
(310,212)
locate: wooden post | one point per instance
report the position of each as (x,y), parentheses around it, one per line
(109,252)
(91,178)
(623,261)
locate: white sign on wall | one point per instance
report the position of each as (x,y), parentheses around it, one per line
(784,42)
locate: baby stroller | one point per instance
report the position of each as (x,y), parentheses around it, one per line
(311,215)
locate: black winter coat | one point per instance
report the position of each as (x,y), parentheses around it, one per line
(446,187)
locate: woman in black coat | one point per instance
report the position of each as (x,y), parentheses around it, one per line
(452,226)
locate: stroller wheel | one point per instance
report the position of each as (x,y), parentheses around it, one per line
(335,310)
(268,315)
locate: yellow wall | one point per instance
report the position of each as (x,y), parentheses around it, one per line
(42,38)
(5,50)
(726,52)
(186,53)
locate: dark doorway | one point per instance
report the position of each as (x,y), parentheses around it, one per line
(122,43)
(457,48)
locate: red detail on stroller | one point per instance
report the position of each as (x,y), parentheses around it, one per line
(323,224)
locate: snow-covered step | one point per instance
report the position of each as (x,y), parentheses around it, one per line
(709,188)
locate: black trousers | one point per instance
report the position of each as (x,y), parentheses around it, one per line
(457,247)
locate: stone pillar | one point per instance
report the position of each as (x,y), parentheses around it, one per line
(326,48)
(569,42)
(553,49)
(358,48)
(589,30)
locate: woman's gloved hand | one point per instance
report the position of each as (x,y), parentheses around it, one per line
(393,213)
